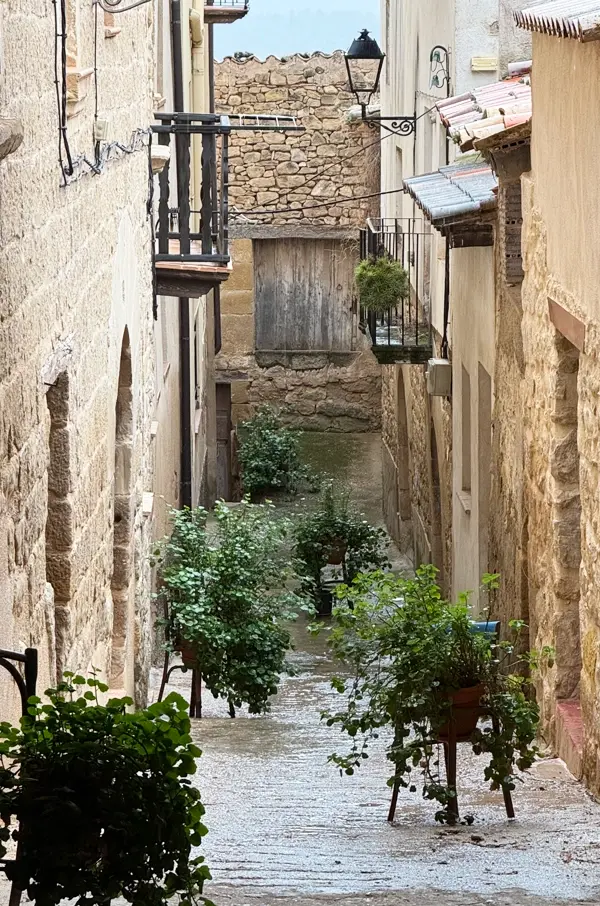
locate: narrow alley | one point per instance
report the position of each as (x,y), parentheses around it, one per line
(286,830)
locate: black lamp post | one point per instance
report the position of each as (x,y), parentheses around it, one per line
(364,62)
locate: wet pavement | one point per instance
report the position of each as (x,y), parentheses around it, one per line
(284,827)
(286,830)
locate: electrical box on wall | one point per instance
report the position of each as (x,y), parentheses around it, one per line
(439,377)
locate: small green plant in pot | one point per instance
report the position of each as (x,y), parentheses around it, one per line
(334,533)
(101,800)
(416,664)
(269,455)
(225,588)
(382,283)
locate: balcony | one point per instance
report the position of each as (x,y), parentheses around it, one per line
(218,12)
(401,335)
(192,249)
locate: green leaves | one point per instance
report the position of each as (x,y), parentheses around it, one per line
(222,582)
(102,796)
(269,455)
(382,283)
(406,650)
(333,524)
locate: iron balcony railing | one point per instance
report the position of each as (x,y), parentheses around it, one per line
(401,334)
(184,234)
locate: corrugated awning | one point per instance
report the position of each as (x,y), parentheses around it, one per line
(579,19)
(464,192)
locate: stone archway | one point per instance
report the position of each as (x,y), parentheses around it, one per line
(121,668)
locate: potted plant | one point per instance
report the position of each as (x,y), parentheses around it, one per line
(333,533)
(224,582)
(269,456)
(382,283)
(99,801)
(416,666)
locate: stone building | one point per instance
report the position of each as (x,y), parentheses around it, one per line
(290,317)
(89,430)
(560,324)
(434,441)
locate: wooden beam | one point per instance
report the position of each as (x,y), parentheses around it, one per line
(567,324)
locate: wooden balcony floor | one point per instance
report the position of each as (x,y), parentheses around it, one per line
(218,15)
(189,278)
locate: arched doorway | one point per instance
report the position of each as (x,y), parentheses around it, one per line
(121,668)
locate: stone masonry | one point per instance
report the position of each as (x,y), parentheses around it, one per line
(330,161)
(76,355)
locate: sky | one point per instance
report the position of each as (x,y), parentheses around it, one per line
(283,27)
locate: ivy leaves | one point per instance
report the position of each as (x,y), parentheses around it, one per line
(103,799)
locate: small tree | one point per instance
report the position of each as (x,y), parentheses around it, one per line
(225,590)
(269,455)
(103,800)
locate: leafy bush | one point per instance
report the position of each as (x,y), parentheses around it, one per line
(408,650)
(269,455)
(103,799)
(382,283)
(223,586)
(333,524)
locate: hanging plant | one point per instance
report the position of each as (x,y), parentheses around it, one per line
(382,283)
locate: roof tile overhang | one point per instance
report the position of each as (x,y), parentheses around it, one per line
(460,200)
(579,19)
(488,110)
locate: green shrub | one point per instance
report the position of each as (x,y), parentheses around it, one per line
(334,524)
(224,587)
(269,455)
(103,799)
(382,283)
(408,649)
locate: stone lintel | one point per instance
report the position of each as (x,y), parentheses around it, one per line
(298,230)
(304,360)
(11,136)
(567,324)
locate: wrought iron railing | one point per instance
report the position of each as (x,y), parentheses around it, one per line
(184,234)
(403,333)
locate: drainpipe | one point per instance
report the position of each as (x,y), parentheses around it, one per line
(185,403)
(211,102)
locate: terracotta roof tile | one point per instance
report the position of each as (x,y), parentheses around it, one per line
(487,110)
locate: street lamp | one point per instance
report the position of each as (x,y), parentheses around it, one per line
(364,62)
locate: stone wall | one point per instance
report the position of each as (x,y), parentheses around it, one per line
(417,489)
(330,161)
(76,356)
(323,387)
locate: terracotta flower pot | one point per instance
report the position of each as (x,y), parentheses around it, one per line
(337,552)
(465,713)
(187,651)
